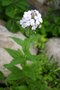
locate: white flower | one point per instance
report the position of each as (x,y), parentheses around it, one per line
(39,26)
(37,12)
(34,27)
(31,19)
(28,23)
(27,15)
(41,21)
(32,22)
(37,22)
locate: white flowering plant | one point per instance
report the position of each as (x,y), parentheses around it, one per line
(32,20)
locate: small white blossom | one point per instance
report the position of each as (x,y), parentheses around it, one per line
(33,27)
(37,22)
(32,22)
(39,26)
(31,19)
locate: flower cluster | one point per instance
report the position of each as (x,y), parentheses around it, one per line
(32,19)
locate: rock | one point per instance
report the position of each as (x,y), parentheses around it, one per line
(2,22)
(39,5)
(44,5)
(57,4)
(53,49)
(7,42)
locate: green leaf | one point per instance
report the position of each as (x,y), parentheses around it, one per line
(12,26)
(18,41)
(16,73)
(21,88)
(1,76)
(20,60)
(2,89)
(14,53)
(6,2)
(11,11)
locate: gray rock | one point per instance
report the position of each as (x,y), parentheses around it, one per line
(7,42)
(57,4)
(53,49)
(44,5)
(2,22)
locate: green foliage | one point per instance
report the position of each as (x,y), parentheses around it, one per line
(11,11)
(36,72)
(1,79)
(37,40)
(1,89)
(19,88)
(51,24)
(1,76)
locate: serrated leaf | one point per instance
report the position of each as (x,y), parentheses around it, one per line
(16,61)
(16,73)
(18,41)
(14,53)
